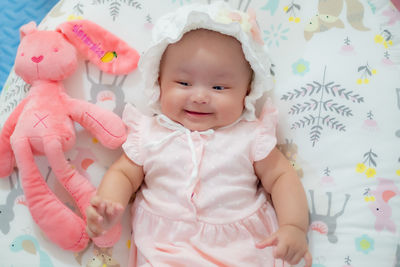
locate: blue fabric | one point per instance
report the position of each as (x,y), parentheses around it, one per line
(16,13)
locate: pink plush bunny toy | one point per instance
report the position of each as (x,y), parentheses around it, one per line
(42,123)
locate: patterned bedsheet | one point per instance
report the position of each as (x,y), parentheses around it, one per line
(336,70)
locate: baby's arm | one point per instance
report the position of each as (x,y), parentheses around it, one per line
(281,181)
(121,180)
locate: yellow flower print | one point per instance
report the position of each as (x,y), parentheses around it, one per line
(369,164)
(370,172)
(291,10)
(385,38)
(398,172)
(385,44)
(73,17)
(360,168)
(378,38)
(366,73)
(369,198)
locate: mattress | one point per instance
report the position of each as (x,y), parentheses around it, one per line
(337,88)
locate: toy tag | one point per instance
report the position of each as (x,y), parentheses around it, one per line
(104,49)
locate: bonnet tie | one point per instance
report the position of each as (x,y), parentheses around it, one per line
(178,129)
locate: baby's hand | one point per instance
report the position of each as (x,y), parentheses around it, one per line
(101,215)
(290,245)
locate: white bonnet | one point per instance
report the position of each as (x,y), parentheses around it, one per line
(219,17)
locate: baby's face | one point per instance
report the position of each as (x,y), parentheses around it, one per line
(204,79)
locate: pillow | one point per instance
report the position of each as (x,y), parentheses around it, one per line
(336,70)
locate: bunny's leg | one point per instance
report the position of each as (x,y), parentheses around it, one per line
(60,224)
(77,186)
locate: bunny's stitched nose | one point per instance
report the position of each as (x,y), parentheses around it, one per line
(37,59)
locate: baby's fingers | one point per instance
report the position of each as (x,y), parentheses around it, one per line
(114,209)
(92,215)
(94,230)
(268,242)
(281,251)
(93,221)
(296,258)
(308,259)
(95,201)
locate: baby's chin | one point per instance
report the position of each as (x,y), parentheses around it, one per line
(202,127)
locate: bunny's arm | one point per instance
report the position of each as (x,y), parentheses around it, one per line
(103,124)
(7,160)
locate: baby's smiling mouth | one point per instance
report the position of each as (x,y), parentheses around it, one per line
(196,113)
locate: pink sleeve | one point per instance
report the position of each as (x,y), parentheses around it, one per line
(265,139)
(132,147)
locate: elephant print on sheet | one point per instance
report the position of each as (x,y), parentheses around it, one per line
(385,191)
(326,224)
(328,16)
(108,96)
(7,209)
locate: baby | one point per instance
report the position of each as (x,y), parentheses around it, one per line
(202,167)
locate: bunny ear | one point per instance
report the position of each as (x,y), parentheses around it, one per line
(27,29)
(101,47)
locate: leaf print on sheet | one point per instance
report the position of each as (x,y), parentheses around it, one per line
(78,9)
(386,60)
(321,109)
(370,124)
(115,5)
(347,48)
(14,90)
(327,179)
(347,261)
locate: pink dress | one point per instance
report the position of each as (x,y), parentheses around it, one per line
(200,203)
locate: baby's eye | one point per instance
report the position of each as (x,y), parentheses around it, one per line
(183,83)
(218,87)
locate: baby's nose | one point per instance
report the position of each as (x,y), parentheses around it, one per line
(200,96)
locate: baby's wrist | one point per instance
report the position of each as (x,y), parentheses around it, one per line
(295,226)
